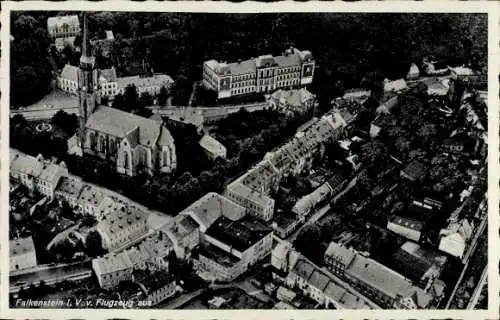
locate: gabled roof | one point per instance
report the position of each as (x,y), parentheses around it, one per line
(120,124)
(337,251)
(303,269)
(318,280)
(211,207)
(240,234)
(407,223)
(70,73)
(212,145)
(26,164)
(59,21)
(50,172)
(111,263)
(415,169)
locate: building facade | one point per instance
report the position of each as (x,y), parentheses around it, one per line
(122,227)
(263,74)
(62,28)
(112,269)
(35,173)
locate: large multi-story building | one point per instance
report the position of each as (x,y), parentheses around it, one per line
(263,74)
(231,247)
(63,30)
(111,269)
(122,227)
(132,142)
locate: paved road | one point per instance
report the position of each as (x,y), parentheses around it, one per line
(42,114)
(51,275)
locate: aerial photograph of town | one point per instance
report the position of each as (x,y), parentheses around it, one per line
(181,160)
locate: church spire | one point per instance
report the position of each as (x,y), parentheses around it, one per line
(87,59)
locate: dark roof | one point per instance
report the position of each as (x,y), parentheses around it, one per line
(304,269)
(408,265)
(415,169)
(241,234)
(407,223)
(284,219)
(218,255)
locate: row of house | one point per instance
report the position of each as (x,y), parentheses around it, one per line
(113,268)
(380,283)
(263,74)
(297,273)
(255,188)
(111,85)
(36,173)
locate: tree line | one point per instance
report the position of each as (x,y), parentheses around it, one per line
(347,47)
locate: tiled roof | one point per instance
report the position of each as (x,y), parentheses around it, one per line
(180,226)
(415,169)
(155,80)
(212,206)
(218,255)
(49,172)
(123,218)
(303,269)
(91,195)
(341,253)
(59,21)
(240,234)
(70,73)
(26,164)
(243,67)
(111,263)
(108,74)
(211,144)
(264,61)
(21,246)
(120,124)
(378,276)
(249,194)
(289,60)
(319,280)
(407,223)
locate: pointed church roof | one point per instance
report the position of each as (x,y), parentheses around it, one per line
(87,57)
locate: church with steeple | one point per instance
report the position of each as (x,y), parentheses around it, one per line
(132,143)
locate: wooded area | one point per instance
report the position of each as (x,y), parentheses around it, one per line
(348,48)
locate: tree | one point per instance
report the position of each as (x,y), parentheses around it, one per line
(162,96)
(93,244)
(67,122)
(373,152)
(131,97)
(307,243)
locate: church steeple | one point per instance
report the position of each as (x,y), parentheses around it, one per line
(88,85)
(87,60)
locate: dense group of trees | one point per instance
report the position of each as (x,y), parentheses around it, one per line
(30,60)
(347,47)
(131,101)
